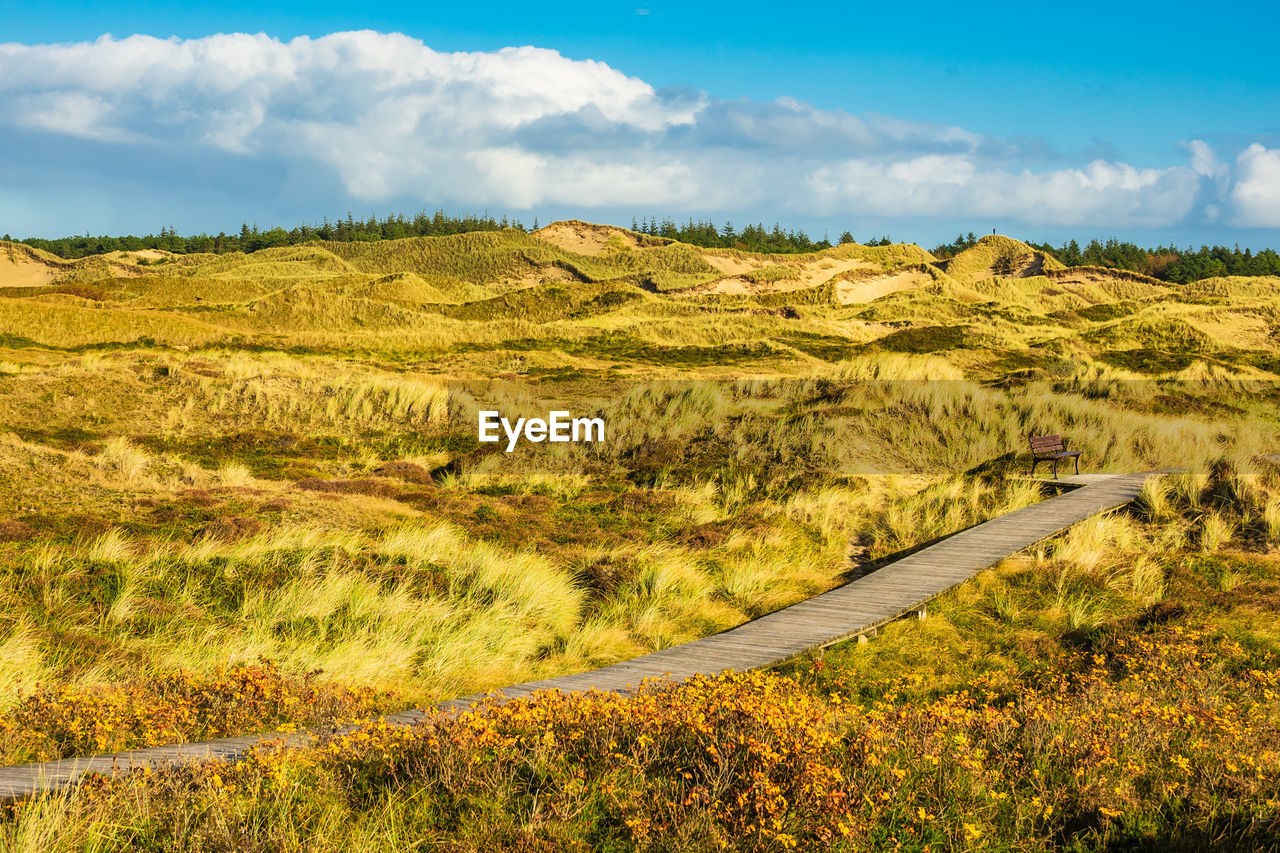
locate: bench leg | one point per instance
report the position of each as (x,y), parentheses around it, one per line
(1055,469)
(1077,458)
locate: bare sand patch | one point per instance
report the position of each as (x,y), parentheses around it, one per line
(825,269)
(807,275)
(733,264)
(862,290)
(132,256)
(583,238)
(18,269)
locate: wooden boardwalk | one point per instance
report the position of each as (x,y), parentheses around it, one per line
(856,609)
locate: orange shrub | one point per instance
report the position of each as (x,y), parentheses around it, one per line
(1162,739)
(58,722)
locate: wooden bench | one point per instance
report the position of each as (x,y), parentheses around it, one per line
(1051,448)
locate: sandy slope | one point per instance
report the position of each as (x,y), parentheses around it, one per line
(859,291)
(810,274)
(20,270)
(585,238)
(731,264)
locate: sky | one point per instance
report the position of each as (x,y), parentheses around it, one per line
(1158,125)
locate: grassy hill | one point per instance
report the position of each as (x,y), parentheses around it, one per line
(230,476)
(597,296)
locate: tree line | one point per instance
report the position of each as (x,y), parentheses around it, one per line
(750,238)
(1166,263)
(250,238)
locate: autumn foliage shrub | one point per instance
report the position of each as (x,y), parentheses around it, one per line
(58,722)
(733,757)
(1153,737)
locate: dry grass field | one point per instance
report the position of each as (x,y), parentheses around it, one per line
(241,493)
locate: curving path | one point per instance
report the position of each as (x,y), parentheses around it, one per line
(857,609)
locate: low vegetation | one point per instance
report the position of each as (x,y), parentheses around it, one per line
(243,493)
(1096,692)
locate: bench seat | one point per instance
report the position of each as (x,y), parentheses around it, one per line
(1051,448)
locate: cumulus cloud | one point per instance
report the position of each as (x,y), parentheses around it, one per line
(1099,192)
(377,117)
(377,109)
(1256,193)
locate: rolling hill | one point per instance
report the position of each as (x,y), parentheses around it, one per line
(591,295)
(245,493)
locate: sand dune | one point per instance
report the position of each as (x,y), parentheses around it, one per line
(20,268)
(862,290)
(585,238)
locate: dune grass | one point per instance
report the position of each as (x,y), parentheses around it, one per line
(420,563)
(1114,687)
(261,473)
(464,295)
(494,582)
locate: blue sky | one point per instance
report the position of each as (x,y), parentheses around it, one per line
(920,121)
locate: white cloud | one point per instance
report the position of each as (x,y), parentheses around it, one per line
(373,117)
(1256,194)
(524,180)
(1101,192)
(71,113)
(343,70)
(384,112)
(1204,160)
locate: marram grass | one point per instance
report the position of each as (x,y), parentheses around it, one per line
(258,475)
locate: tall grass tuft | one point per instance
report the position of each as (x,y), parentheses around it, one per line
(1271,519)
(124,461)
(1215,531)
(1153,500)
(233,474)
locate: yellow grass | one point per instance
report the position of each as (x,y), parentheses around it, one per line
(274,455)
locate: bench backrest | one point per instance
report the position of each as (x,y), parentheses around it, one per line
(1045,444)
